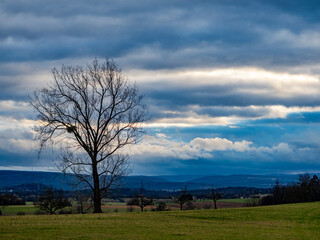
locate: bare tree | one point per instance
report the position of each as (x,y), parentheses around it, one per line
(84,201)
(183,198)
(140,200)
(50,201)
(215,197)
(90,114)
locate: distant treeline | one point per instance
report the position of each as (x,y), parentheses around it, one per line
(30,192)
(307,189)
(10,199)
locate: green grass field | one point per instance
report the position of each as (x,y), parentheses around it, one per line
(236,200)
(293,221)
(13,210)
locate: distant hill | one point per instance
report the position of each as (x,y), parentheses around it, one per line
(169,183)
(261,181)
(14,178)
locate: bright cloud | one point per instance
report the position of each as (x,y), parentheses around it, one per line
(198,147)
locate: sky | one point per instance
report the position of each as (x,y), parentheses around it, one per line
(232,87)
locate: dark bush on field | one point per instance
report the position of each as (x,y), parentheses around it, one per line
(84,202)
(207,206)
(65,211)
(267,200)
(21,213)
(253,202)
(0,212)
(190,206)
(307,189)
(11,199)
(162,206)
(130,209)
(39,212)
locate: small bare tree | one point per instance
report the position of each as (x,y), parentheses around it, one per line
(140,200)
(215,197)
(90,114)
(83,199)
(183,198)
(50,201)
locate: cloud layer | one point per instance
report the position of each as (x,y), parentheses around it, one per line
(226,82)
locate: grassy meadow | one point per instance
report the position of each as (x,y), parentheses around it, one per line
(30,209)
(292,221)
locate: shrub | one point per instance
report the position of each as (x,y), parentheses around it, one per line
(65,211)
(207,206)
(267,200)
(190,206)
(130,209)
(21,213)
(253,202)
(162,206)
(11,199)
(39,212)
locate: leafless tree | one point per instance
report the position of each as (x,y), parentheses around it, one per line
(50,201)
(90,114)
(140,200)
(84,201)
(215,197)
(183,198)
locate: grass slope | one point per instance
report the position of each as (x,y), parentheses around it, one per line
(294,221)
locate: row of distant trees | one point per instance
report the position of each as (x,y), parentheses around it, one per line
(184,198)
(50,201)
(306,189)
(10,199)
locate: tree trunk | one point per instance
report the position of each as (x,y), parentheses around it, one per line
(215,203)
(96,191)
(181,206)
(97,202)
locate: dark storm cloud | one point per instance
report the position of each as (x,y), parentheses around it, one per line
(292,118)
(230,163)
(172,101)
(179,33)
(227,95)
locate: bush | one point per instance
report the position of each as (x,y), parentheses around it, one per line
(65,211)
(0,212)
(11,199)
(207,206)
(39,212)
(267,200)
(190,206)
(130,209)
(21,213)
(253,202)
(162,206)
